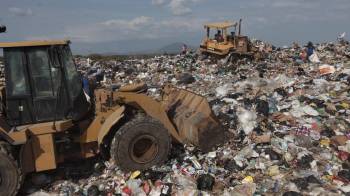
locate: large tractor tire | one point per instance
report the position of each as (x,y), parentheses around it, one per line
(140,144)
(10,174)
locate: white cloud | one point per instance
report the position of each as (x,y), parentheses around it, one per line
(20,11)
(285,4)
(261,20)
(135,23)
(142,27)
(184,25)
(158,2)
(177,7)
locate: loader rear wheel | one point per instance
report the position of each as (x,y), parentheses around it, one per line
(141,143)
(10,174)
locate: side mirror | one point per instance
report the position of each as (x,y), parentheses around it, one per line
(2,29)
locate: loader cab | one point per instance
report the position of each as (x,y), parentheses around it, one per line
(41,83)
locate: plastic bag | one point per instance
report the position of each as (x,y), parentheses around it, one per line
(314,58)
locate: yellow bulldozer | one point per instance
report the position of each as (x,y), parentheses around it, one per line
(47,117)
(227,43)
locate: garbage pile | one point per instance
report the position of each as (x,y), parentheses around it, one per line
(287,119)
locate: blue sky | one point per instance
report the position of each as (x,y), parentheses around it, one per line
(140,25)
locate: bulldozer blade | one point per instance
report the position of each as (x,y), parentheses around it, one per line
(193,118)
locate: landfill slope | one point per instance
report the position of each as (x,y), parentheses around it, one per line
(287,119)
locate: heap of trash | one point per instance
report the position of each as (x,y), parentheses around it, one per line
(287,119)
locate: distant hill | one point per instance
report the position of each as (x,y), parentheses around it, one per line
(134,46)
(144,48)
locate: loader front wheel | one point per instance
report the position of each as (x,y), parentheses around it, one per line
(141,143)
(10,174)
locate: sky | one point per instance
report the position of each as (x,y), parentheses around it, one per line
(121,26)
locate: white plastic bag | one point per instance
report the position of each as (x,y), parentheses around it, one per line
(314,58)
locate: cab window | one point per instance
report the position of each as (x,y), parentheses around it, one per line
(73,79)
(15,71)
(39,66)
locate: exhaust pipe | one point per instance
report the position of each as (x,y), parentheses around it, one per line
(2,28)
(239,26)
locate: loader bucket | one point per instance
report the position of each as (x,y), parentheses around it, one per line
(193,118)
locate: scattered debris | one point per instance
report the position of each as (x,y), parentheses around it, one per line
(288,122)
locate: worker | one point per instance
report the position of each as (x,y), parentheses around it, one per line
(86,85)
(218,36)
(310,49)
(184,49)
(233,34)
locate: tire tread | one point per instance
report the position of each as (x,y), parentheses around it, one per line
(5,150)
(123,129)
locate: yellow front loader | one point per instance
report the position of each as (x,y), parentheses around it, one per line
(47,118)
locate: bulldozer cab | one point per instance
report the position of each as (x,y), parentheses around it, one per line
(41,83)
(227,38)
(224,31)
